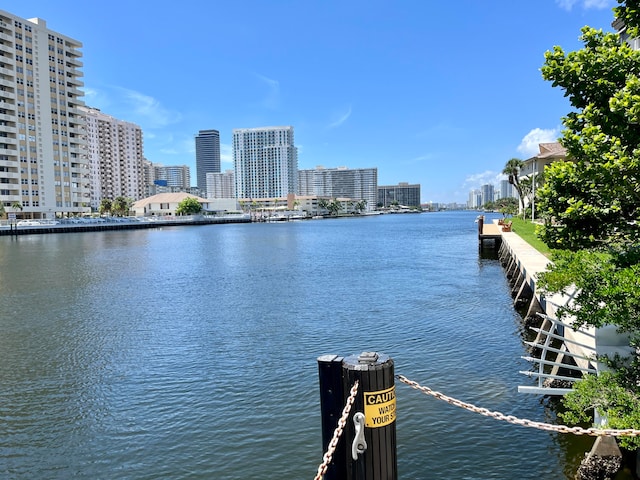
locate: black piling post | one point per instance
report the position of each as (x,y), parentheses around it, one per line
(368,451)
(332,400)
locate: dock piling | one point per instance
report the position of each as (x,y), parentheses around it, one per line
(375,458)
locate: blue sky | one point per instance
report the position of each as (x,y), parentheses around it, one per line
(428,91)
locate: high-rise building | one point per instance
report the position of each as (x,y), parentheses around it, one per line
(265,162)
(159,178)
(207,156)
(475,199)
(175,176)
(221,185)
(115,157)
(401,194)
(487,191)
(357,184)
(507,190)
(43,161)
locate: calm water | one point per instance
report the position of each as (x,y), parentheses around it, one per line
(190,353)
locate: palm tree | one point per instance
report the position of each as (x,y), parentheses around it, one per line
(512,170)
(335,206)
(105,206)
(121,206)
(2,210)
(323,203)
(361,205)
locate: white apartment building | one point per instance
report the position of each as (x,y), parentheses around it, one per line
(475,199)
(115,157)
(342,182)
(265,162)
(43,159)
(221,185)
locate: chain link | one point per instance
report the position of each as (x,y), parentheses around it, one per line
(594,432)
(342,422)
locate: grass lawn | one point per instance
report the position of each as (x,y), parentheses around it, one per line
(526,230)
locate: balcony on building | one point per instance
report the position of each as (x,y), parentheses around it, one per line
(6,71)
(4,48)
(7,127)
(7,94)
(8,60)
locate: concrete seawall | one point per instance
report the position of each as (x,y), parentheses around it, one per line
(107,226)
(578,350)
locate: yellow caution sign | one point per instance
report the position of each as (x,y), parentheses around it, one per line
(380,408)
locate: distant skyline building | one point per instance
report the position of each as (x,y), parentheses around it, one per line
(221,185)
(507,190)
(341,182)
(487,193)
(475,199)
(45,168)
(115,153)
(403,193)
(207,156)
(265,162)
(176,176)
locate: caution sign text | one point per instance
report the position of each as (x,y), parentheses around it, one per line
(380,408)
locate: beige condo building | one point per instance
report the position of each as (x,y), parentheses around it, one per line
(43,159)
(116,159)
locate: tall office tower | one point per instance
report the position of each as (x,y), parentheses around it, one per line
(43,162)
(221,185)
(207,156)
(265,162)
(115,157)
(357,184)
(403,194)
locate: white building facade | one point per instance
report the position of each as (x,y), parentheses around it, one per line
(221,185)
(265,162)
(342,182)
(115,157)
(43,161)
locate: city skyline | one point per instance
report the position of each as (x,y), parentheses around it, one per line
(403,90)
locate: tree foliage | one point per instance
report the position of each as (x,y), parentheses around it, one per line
(606,284)
(105,206)
(121,206)
(595,196)
(512,171)
(189,206)
(591,210)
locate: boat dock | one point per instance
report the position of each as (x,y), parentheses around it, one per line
(489,232)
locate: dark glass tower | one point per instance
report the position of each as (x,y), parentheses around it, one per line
(207,156)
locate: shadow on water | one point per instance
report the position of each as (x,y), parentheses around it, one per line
(488,251)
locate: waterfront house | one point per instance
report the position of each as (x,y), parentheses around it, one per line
(164,204)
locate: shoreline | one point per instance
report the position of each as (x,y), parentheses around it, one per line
(118,225)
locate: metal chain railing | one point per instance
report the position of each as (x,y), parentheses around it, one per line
(595,432)
(342,422)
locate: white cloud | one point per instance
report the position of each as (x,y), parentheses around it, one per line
(148,111)
(226,153)
(343,118)
(477,179)
(272,98)
(586,4)
(529,145)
